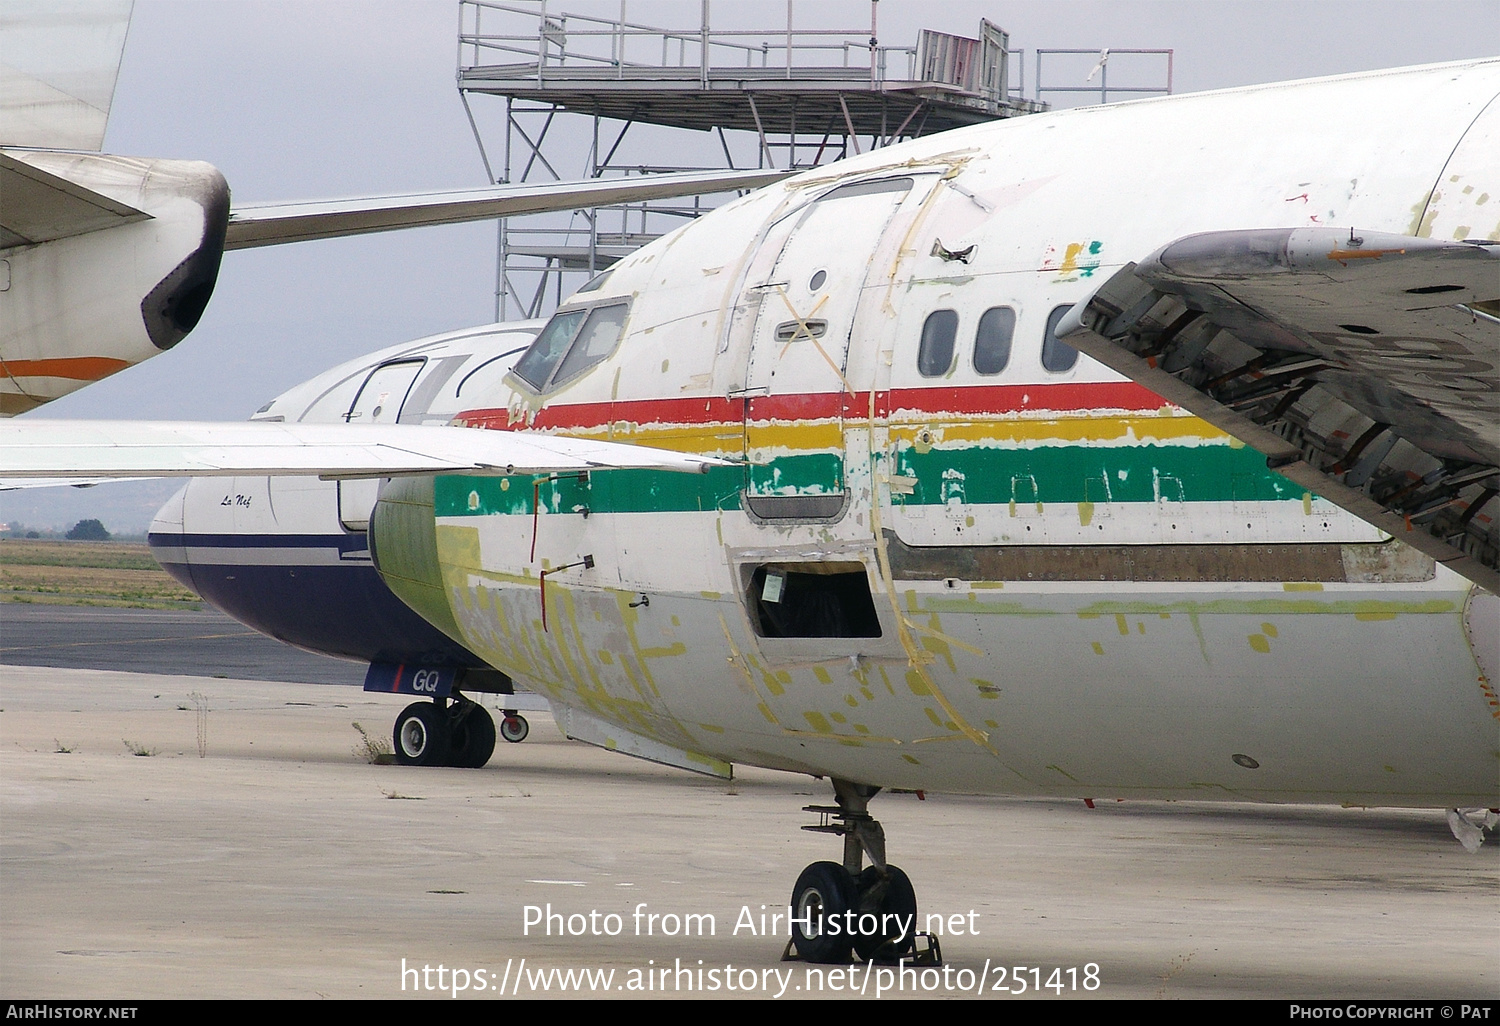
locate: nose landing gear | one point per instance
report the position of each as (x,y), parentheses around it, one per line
(842,908)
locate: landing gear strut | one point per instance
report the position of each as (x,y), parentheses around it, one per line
(839,908)
(459,733)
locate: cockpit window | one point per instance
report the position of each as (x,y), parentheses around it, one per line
(594,283)
(549,348)
(596,340)
(571,343)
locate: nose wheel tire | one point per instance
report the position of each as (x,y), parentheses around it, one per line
(421,736)
(824,893)
(514,728)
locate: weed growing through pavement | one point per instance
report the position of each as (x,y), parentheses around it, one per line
(200,703)
(374,750)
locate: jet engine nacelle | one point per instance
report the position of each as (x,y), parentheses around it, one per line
(106,260)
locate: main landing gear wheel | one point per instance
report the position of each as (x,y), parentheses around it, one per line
(473,735)
(871,911)
(421,736)
(824,893)
(891,897)
(514,728)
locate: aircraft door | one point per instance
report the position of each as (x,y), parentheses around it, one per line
(796,386)
(379,402)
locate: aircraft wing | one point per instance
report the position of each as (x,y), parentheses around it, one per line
(58,66)
(275,223)
(1366,366)
(34,448)
(39,206)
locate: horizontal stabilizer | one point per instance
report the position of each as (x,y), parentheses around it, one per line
(39,206)
(276,223)
(34,448)
(1364,365)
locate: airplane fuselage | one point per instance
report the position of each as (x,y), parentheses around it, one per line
(289,555)
(953,554)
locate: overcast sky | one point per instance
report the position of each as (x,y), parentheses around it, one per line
(310,100)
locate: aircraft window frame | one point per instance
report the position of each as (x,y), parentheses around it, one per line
(557,334)
(846,190)
(1054,349)
(459,391)
(595,283)
(948,326)
(867,187)
(425,390)
(590,348)
(1002,349)
(576,322)
(336,403)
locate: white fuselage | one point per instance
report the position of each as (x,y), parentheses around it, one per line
(289,555)
(1011,572)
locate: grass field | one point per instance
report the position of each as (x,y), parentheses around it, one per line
(88,574)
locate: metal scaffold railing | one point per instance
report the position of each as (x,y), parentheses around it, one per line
(707,93)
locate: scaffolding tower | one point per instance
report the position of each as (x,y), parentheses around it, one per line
(696,96)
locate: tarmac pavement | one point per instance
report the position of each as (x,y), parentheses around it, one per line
(282,864)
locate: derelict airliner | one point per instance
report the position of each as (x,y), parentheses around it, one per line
(820,482)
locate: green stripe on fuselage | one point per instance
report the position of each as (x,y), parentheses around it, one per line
(1075,473)
(974,475)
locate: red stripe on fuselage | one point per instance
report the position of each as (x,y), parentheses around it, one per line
(977,400)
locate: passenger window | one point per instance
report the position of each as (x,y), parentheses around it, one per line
(992,341)
(1057,356)
(939,332)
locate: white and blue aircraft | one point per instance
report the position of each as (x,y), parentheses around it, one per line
(290,556)
(821,482)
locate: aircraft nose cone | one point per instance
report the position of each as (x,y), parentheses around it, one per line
(403,544)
